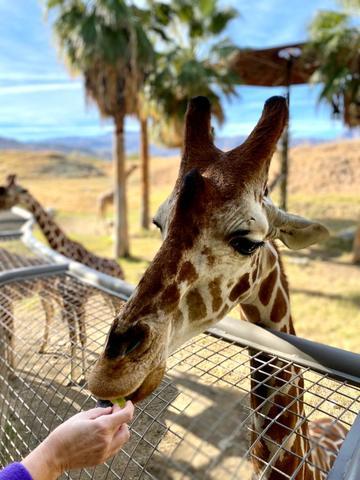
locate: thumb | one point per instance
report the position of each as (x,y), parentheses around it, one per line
(96,412)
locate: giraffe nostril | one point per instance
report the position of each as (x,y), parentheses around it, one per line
(121,344)
(132,345)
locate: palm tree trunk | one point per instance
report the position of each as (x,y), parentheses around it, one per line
(144,174)
(121,224)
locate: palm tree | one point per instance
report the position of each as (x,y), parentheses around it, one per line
(178,27)
(154,21)
(335,44)
(193,62)
(105,42)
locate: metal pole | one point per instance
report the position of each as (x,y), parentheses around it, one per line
(284,169)
(289,55)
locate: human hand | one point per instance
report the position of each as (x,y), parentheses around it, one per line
(86,439)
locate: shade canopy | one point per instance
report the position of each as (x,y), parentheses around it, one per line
(268,67)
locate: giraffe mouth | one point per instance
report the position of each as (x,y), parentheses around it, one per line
(108,403)
(149,384)
(103,403)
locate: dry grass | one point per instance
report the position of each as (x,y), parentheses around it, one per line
(324,283)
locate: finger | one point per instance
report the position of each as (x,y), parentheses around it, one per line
(117,408)
(118,417)
(97,412)
(120,437)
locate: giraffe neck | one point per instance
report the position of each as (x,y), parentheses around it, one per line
(277,387)
(51,230)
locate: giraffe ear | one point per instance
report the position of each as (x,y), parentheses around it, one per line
(11,180)
(296,235)
(294,231)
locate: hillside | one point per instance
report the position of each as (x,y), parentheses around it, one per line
(327,167)
(33,164)
(322,168)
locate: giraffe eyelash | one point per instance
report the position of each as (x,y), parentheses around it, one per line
(157,224)
(244,245)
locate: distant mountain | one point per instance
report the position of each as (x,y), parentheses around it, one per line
(101,146)
(9,143)
(98,146)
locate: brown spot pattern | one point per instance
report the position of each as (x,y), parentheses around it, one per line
(210,257)
(279,308)
(286,416)
(211,260)
(215,292)
(187,273)
(251,312)
(42,223)
(145,310)
(241,287)
(169,298)
(57,231)
(197,307)
(259,452)
(267,287)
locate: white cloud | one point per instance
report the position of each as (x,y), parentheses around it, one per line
(42,87)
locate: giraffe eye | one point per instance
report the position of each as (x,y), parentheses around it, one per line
(244,246)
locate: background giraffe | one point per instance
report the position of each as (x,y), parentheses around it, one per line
(73,298)
(9,294)
(218,227)
(106,199)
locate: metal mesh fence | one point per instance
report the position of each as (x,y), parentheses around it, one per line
(14,254)
(199,423)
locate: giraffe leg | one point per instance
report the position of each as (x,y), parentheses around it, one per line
(68,316)
(82,337)
(48,307)
(7,326)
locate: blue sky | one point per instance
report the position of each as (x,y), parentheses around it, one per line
(38,99)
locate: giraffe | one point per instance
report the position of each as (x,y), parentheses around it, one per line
(73,298)
(106,199)
(219,228)
(9,294)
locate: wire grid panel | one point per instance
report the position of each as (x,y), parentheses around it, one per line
(14,254)
(196,425)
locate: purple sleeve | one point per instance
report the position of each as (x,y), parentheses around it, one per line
(15,471)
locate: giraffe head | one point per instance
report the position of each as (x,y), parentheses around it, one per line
(11,193)
(215,220)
